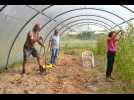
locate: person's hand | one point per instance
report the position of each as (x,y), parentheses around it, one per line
(43,45)
(40,38)
(121,32)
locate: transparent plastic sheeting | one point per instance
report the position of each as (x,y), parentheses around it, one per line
(1,6)
(21,18)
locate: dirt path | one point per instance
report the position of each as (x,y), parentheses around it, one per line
(67,77)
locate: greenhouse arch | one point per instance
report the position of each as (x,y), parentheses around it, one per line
(45,15)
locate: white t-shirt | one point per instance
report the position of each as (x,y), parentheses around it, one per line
(55,41)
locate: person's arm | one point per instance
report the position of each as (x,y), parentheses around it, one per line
(29,35)
(117,34)
(41,42)
(50,43)
(109,38)
(118,38)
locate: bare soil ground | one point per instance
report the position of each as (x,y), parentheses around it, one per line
(67,77)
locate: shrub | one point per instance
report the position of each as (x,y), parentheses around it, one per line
(101,44)
(125,60)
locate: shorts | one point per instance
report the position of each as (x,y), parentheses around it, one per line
(30,51)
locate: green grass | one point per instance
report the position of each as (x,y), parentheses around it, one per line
(102,45)
(75,47)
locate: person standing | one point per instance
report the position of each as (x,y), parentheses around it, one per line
(112,45)
(54,45)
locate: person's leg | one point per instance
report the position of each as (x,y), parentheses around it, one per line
(52,56)
(26,54)
(23,66)
(38,60)
(35,54)
(40,66)
(112,63)
(109,65)
(55,55)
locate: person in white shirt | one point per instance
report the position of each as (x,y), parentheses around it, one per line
(54,45)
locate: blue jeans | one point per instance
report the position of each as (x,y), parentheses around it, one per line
(54,54)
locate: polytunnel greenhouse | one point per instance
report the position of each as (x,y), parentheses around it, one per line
(17,20)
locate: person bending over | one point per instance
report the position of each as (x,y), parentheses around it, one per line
(29,49)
